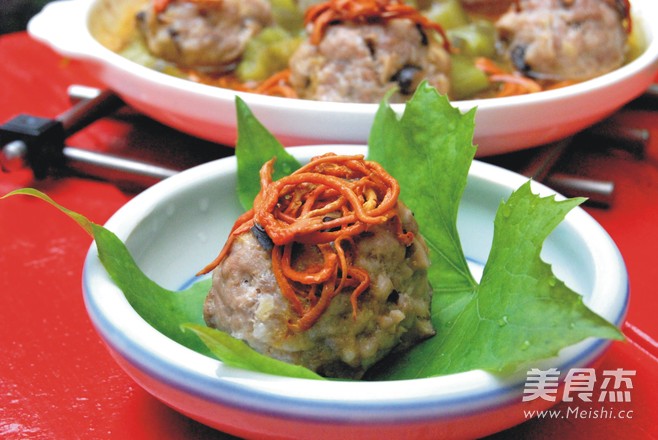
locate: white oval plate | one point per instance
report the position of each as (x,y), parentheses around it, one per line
(502,124)
(177,226)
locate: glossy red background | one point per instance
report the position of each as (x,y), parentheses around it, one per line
(58,381)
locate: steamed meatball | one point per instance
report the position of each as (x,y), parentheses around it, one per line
(207,34)
(564,39)
(393,314)
(361,63)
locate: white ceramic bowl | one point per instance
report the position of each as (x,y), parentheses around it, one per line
(178,225)
(502,124)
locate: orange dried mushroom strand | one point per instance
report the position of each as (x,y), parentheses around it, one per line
(364,12)
(277,84)
(511,83)
(322,206)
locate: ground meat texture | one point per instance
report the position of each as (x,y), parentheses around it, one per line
(393,314)
(361,63)
(487,7)
(204,35)
(564,39)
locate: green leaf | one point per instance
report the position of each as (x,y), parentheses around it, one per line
(435,141)
(168,311)
(164,309)
(79,219)
(520,312)
(255,146)
(238,354)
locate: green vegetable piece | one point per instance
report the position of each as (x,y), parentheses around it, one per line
(137,52)
(266,54)
(288,15)
(255,146)
(474,39)
(466,80)
(448,13)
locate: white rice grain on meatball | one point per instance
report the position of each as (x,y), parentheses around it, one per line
(393,314)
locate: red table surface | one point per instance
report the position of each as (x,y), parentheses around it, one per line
(57,380)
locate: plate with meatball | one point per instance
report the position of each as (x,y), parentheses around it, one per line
(314,72)
(172,230)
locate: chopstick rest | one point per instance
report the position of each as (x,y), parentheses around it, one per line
(38,143)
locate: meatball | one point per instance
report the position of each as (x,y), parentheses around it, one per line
(208,35)
(564,39)
(393,314)
(361,63)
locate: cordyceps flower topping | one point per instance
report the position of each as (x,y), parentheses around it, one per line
(365,12)
(317,212)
